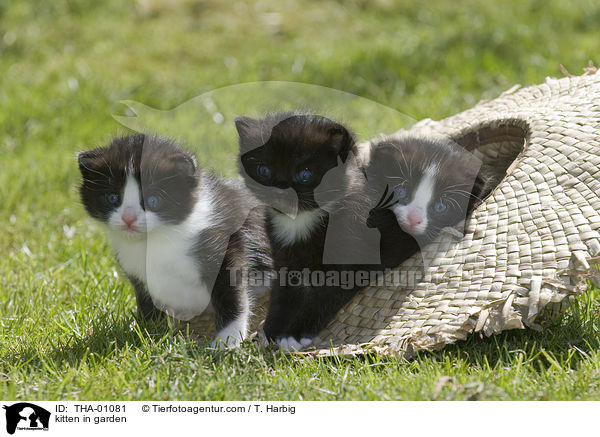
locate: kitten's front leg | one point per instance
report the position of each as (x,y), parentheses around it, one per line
(283,310)
(319,307)
(232,313)
(286,308)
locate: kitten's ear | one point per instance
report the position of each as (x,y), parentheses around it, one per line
(250,133)
(87,158)
(341,141)
(185,163)
(246,126)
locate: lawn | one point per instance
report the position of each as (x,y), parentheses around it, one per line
(66,312)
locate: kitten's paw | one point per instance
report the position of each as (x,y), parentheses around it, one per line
(305,341)
(232,335)
(226,339)
(229,342)
(290,344)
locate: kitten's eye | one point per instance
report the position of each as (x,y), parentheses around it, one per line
(440,207)
(304,176)
(263,171)
(152,203)
(400,192)
(113,198)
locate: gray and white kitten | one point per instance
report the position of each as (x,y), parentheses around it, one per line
(178,232)
(423,185)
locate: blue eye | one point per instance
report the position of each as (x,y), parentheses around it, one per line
(113,198)
(153,202)
(263,171)
(440,207)
(304,176)
(400,192)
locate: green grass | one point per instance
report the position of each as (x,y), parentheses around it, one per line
(66,314)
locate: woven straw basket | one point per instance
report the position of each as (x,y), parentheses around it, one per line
(525,251)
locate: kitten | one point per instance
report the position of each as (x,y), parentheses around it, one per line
(176,230)
(284,158)
(427,185)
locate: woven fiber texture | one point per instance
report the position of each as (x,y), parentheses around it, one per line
(528,248)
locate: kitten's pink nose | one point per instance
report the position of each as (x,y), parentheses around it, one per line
(414,218)
(129,216)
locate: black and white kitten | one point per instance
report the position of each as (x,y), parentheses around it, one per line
(284,157)
(426,185)
(176,230)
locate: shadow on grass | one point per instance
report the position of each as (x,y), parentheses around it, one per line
(108,334)
(563,343)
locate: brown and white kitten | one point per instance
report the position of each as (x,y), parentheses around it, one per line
(426,185)
(176,230)
(283,158)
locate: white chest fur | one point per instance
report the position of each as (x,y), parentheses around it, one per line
(288,230)
(162,260)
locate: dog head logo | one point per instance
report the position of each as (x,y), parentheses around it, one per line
(26,416)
